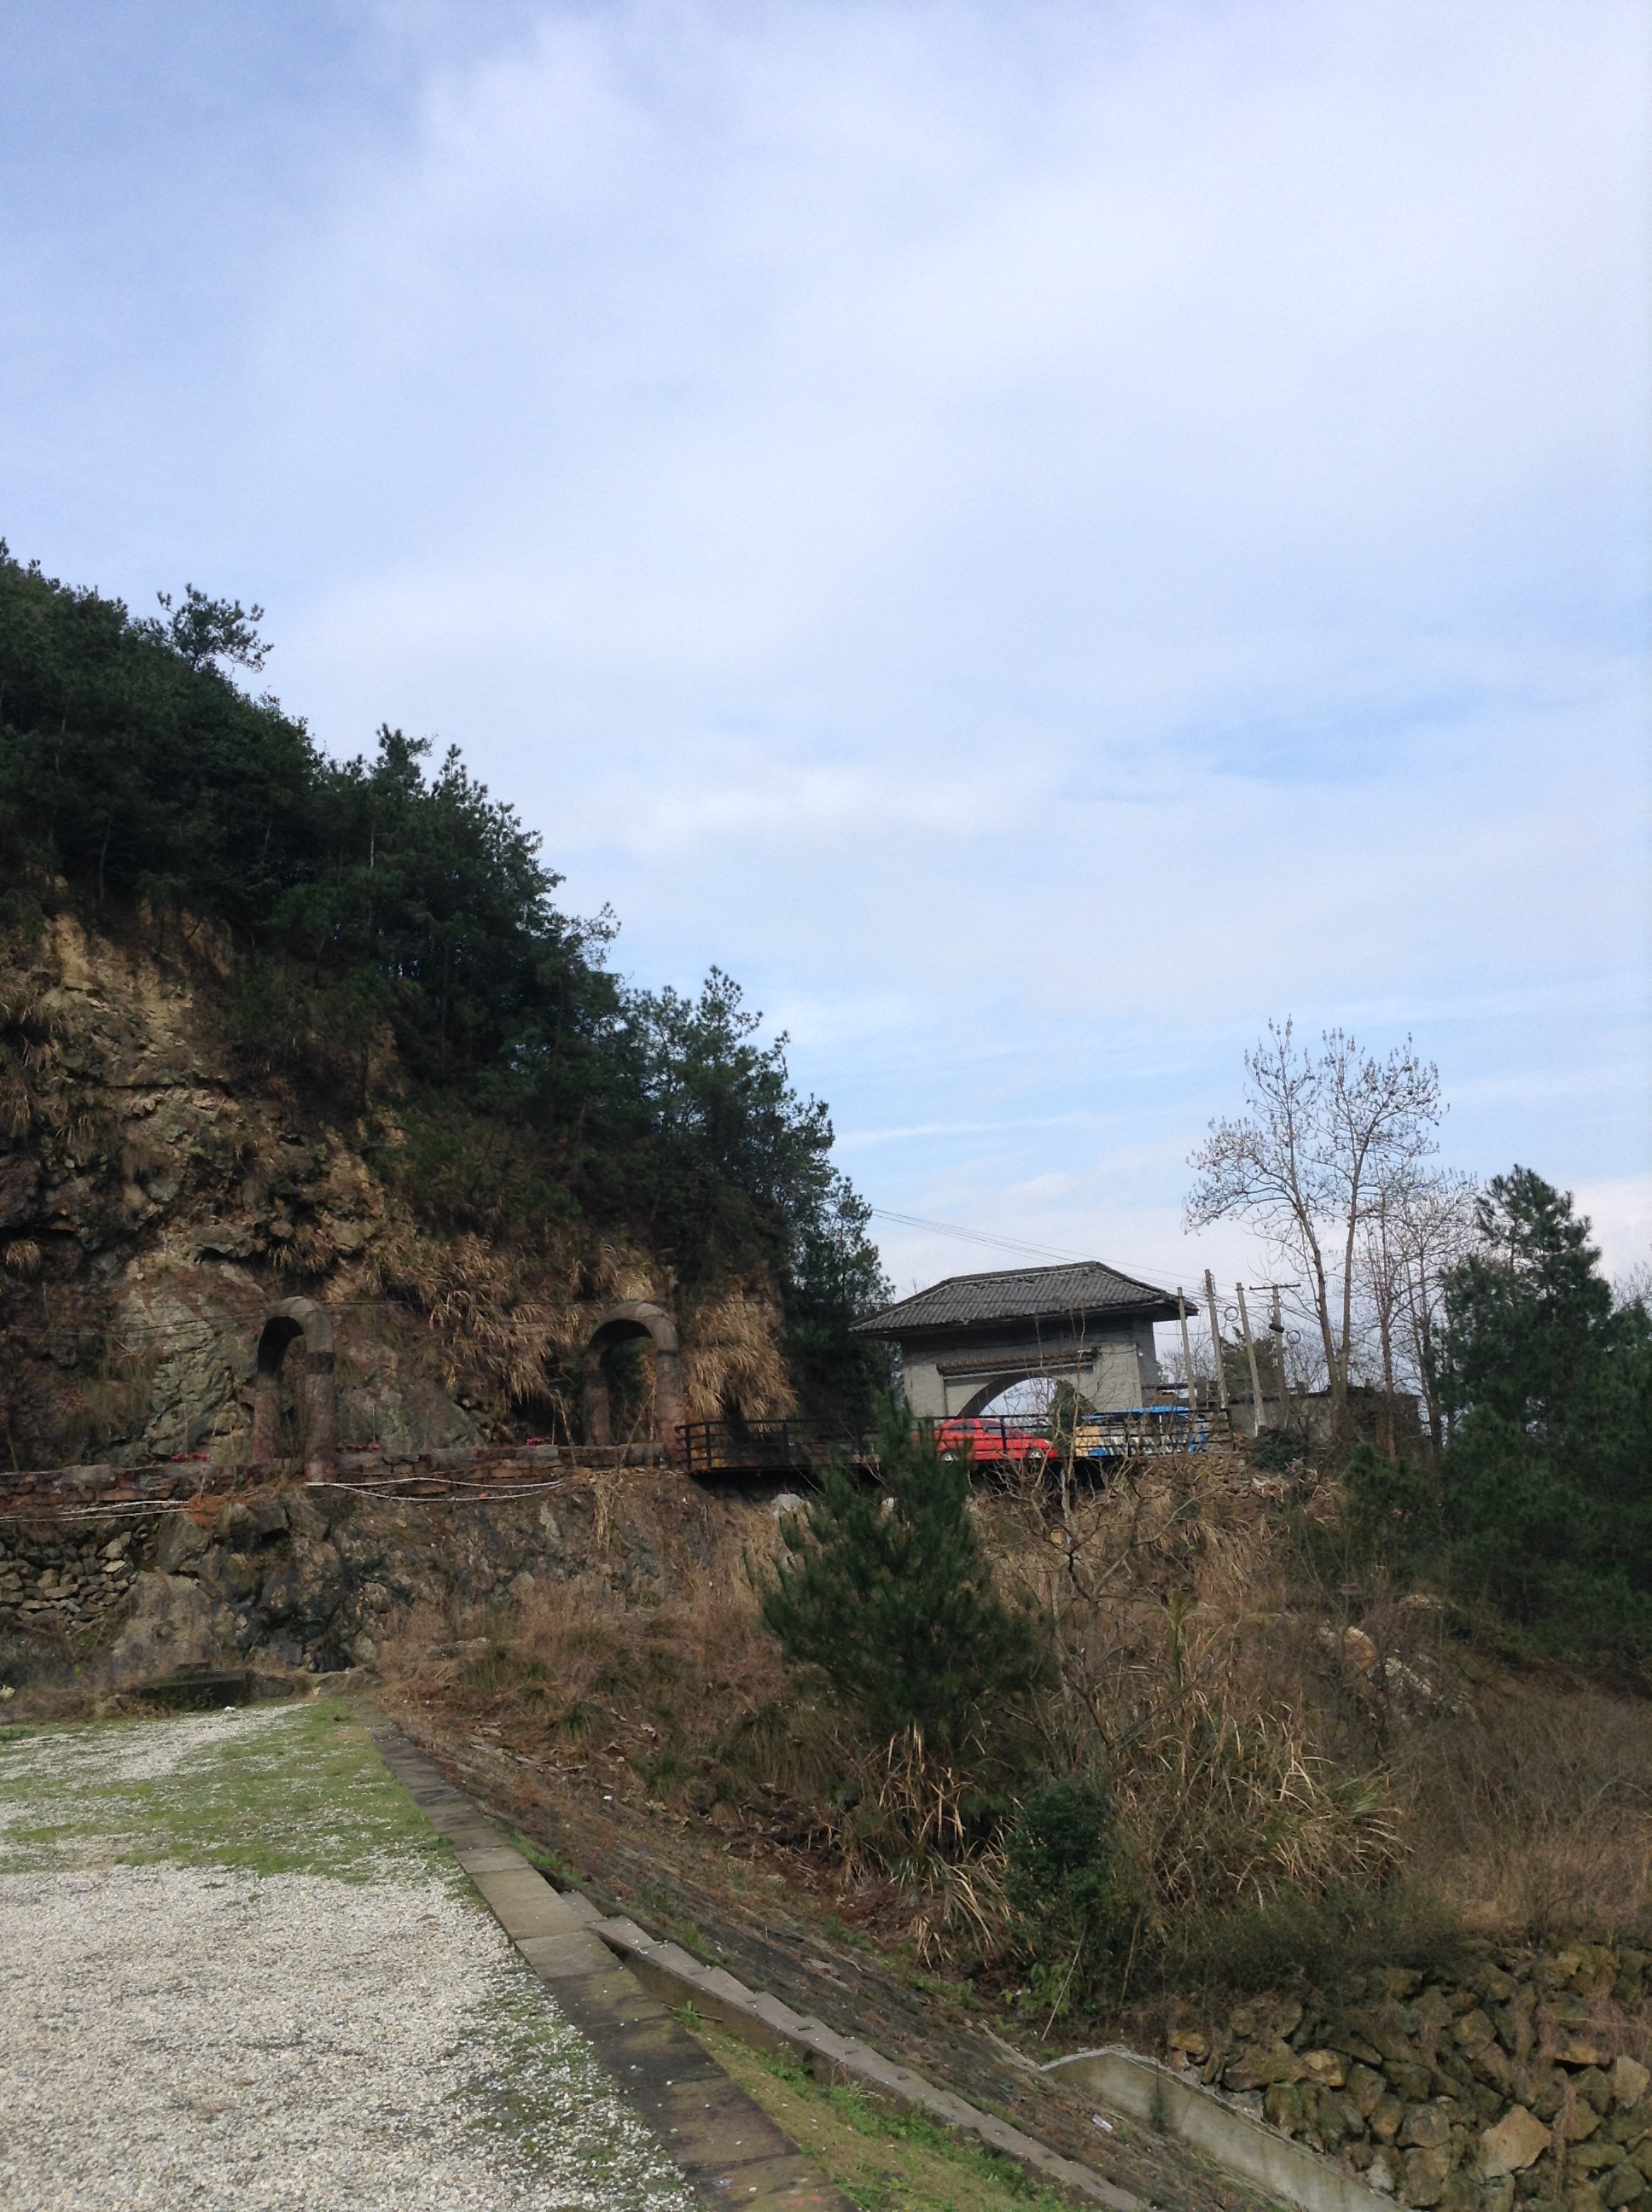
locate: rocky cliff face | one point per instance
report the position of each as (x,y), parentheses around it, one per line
(152,1202)
(156,1196)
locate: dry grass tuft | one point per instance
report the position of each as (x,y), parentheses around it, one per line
(1535,1806)
(732,1357)
(1183,1683)
(479,1308)
(577,1678)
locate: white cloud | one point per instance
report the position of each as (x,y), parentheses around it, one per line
(1037,536)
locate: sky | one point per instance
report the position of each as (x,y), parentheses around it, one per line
(1036,538)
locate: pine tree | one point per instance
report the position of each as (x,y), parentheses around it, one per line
(887,1589)
(1547,1485)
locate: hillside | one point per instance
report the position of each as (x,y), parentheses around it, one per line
(271,1022)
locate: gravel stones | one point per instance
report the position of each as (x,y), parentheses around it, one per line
(214,2035)
(179,2035)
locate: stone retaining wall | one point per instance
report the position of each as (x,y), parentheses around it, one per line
(132,1587)
(64,1581)
(1519,2079)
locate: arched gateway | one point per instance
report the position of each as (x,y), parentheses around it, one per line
(635,1319)
(314,1392)
(964,1340)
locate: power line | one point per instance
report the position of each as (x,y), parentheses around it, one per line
(975,1235)
(1002,1243)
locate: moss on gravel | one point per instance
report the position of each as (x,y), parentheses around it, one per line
(297,1789)
(337,1918)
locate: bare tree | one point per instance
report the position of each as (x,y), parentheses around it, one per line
(1323,1135)
(1418,1227)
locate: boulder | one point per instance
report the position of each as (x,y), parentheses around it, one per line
(1462,2193)
(1422,2176)
(172,1627)
(269,1513)
(1518,2141)
(1427,2127)
(305,1590)
(182,1540)
(1594,2087)
(1598,2156)
(236,1526)
(1282,2106)
(1629,2081)
(1387,2116)
(1365,2086)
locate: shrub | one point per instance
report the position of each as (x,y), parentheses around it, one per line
(1064,1881)
(1393,1510)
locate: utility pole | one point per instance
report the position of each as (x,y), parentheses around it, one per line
(1276,1330)
(1186,1354)
(1250,1354)
(1212,1315)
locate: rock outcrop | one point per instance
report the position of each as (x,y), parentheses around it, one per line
(160,1192)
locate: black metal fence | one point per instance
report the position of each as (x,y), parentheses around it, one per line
(1142,1433)
(798,1447)
(762,1447)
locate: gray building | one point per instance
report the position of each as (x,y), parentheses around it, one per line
(964,1340)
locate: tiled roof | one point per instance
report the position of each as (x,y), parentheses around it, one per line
(1086,1287)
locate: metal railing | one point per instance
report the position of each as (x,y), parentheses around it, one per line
(760,1446)
(1143,1431)
(792,1447)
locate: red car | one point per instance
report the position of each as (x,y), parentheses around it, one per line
(990,1441)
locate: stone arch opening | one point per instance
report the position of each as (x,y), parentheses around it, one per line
(637,1321)
(313,1390)
(999,1387)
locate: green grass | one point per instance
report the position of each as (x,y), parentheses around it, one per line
(882,2158)
(300,1790)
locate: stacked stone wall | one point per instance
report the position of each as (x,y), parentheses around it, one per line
(1518,2080)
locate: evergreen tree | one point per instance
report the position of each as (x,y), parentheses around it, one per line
(1065,1882)
(1548,1483)
(382,900)
(887,1589)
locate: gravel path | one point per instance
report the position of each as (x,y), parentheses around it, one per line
(181,2028)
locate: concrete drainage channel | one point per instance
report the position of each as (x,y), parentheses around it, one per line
(1247,2148)
(620,1986)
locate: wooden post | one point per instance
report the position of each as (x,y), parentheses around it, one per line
(1186,1354)
(1215,1341)
(1250,1354)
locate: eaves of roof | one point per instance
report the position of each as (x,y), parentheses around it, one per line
(1086,1290)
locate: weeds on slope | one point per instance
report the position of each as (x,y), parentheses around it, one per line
(1302,1775)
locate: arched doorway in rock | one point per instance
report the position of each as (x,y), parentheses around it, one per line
(313,1391)
(650,1328)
